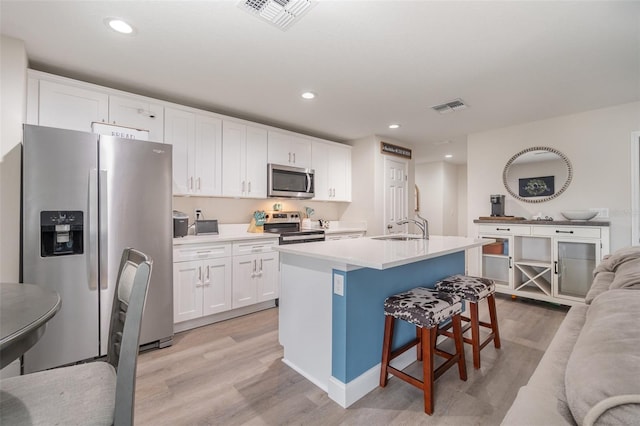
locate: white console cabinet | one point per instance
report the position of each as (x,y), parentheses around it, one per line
(553,261)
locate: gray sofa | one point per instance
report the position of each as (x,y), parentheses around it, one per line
(590,373)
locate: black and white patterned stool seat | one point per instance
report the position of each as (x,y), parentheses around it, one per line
(468,287)
(423,307)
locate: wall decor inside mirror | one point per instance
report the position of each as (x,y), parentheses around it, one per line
(532,175)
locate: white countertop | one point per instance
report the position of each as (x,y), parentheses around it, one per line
(227,233)
(382,254)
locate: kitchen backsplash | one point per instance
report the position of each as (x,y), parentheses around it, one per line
(230,210)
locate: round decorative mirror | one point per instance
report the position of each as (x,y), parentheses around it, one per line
(537,174)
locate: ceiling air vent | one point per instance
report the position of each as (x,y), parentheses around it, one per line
(281,13)
(454,105)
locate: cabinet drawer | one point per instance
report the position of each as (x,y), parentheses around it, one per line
(567,231)
(254,246)
(201,251)
(506,229)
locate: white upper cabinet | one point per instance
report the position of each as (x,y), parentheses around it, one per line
(138,113)
(244,160)
(70,104)
(197,152)
(332,166)
(70,107)
(289,149)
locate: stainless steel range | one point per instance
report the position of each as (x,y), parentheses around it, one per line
(287,224)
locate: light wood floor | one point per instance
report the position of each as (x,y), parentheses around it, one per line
(231,373)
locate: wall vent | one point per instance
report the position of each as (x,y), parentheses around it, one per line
(280,13)
(451,106)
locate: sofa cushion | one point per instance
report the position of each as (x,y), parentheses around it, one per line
(627,275)
(610,263)
(600,284)
(605,361)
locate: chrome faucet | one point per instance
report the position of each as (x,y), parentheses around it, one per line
(423,224)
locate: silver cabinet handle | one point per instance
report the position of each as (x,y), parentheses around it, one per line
(199,284)
(198,183)
(243,185)
(191,182)
(294,158)
(249,187)
(289,157)
(207,282)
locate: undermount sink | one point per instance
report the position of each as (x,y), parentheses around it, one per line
(398,237)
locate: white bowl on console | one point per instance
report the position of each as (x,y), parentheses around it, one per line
(579,214)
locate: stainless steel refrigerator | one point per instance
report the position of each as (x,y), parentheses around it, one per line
(85,197)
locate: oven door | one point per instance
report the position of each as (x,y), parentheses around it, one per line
(301,237)
(289,182)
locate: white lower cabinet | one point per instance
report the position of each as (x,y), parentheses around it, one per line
(255,278)
(545,262)
(215,278)
(343,235)
(201,287)
(255,272)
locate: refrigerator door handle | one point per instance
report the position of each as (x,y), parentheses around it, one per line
(104,241)
(92,223)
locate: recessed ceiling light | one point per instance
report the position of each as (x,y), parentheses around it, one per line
(119,25)
(308,95)
(394,126)
(448,156)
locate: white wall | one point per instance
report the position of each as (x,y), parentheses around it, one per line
(597,144)
(367,169)
(462,200)
(13,70)
(440,189)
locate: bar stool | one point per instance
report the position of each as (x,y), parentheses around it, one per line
(473,290)
(426,309)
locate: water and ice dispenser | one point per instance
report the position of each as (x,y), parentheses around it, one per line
(61,232)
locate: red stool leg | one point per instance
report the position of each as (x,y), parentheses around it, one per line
(475,334)
(457,334)
(419,345)
(491,300)
(428,368)
(386,348)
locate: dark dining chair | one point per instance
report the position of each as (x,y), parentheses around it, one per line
(94,393)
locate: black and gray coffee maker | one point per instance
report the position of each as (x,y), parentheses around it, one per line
(497,205)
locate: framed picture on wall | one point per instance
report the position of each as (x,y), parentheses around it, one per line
(536,186)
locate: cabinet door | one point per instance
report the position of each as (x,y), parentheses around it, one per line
(208,155)
(268,277)
(340,172)
(499,266)
(574,262)
(234,136)
(217,285)
(280,148)
(139,114)
(69,107)
(301,151)
(320,165)
(187,290)
(244,284)
(256,163)
(179,132)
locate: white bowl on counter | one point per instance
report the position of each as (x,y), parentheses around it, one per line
(579,214)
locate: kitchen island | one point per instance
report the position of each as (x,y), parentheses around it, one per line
(331,304)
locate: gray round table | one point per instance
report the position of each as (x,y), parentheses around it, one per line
(24,312)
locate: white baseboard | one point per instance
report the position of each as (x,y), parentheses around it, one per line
(222,316)
(347,394)
(319,383)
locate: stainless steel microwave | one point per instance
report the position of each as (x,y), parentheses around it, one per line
(289,182)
